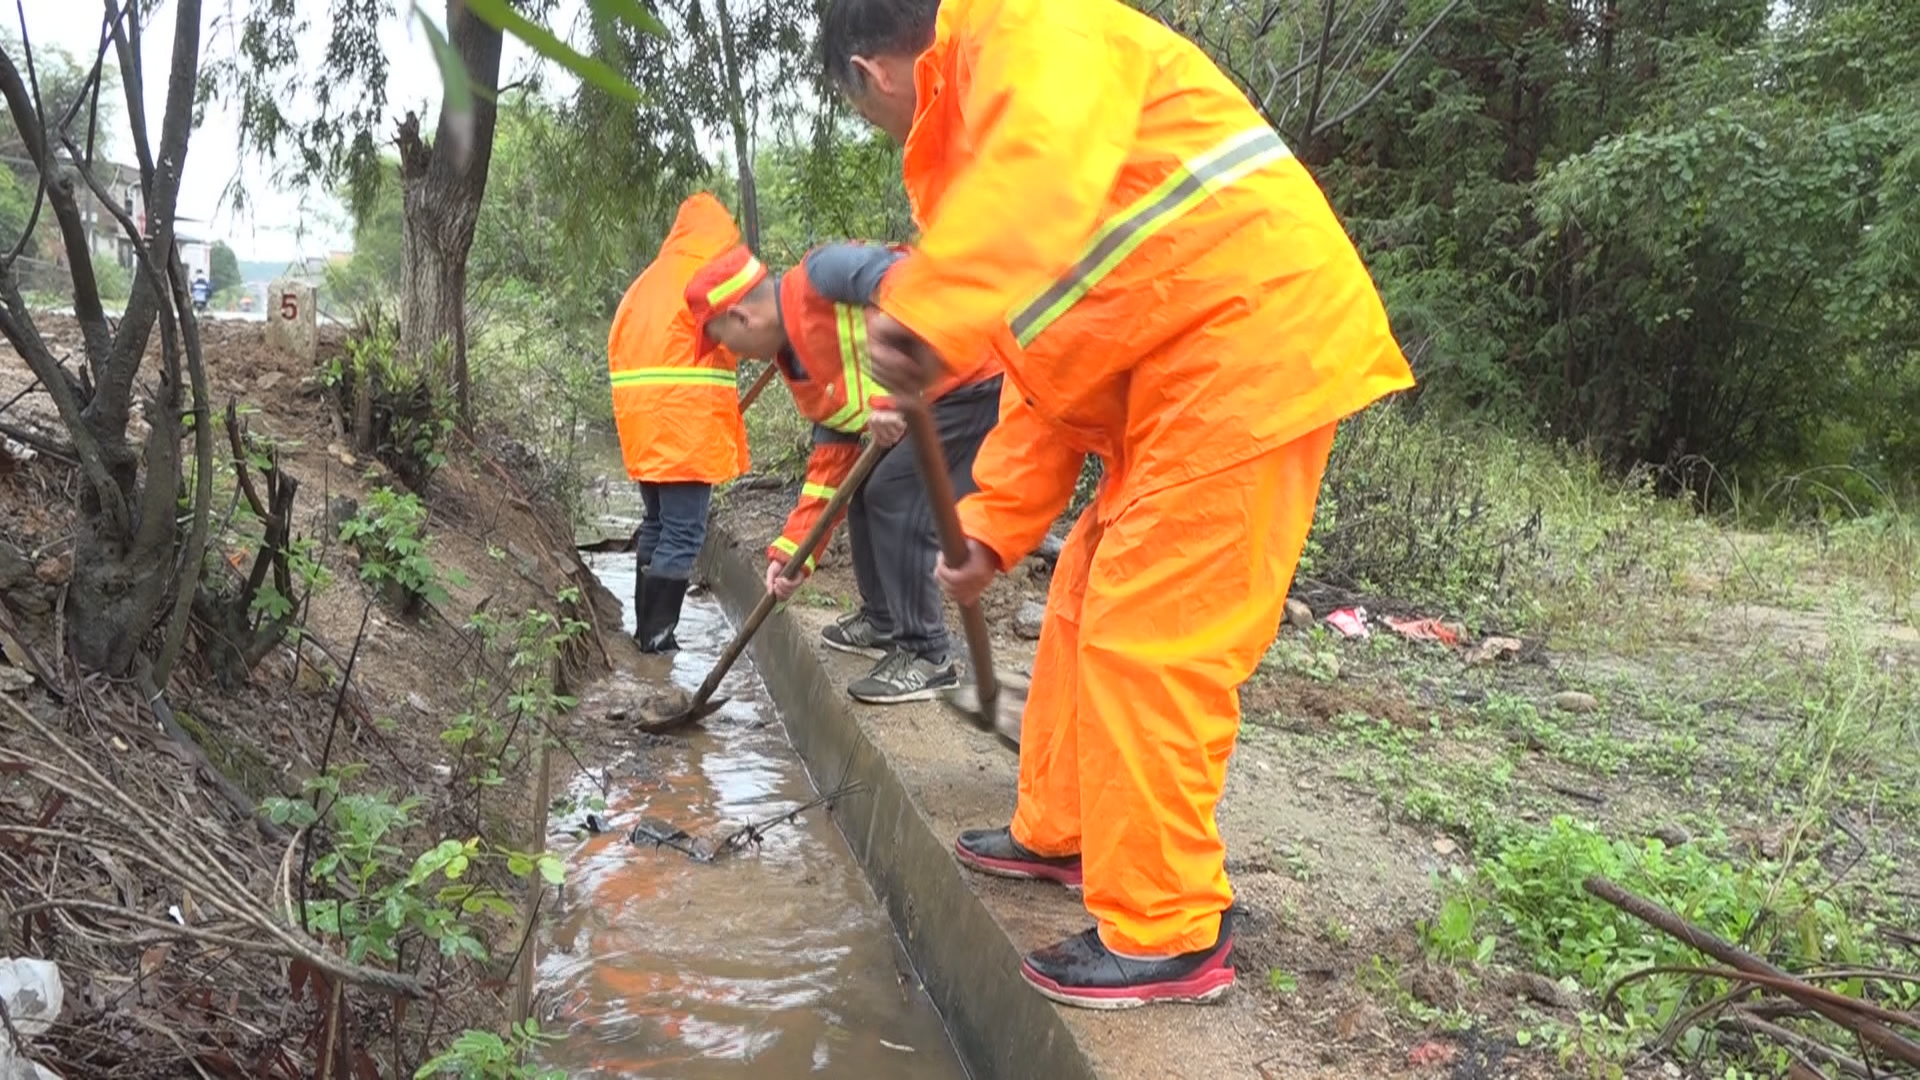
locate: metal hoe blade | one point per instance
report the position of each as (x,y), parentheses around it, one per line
(683,718)
(1008,710)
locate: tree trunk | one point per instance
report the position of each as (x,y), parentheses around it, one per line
(123,579)
(127,535)
(737,118)
(442,186)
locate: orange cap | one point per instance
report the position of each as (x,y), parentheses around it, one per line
(719,285)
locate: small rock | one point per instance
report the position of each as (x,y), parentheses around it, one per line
(595,824)
(1049,549)
(1672,835)
(1299,615)
(1027,620)
(341,509)
(664,704)
(1574,701)
(1494,648)
(1539,988)
(419,704)
(1445,846)
(270,380)
(13,679)
(54,571)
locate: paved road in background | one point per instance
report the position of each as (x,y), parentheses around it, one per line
(215,316)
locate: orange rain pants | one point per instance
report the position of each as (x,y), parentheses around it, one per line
(1160,608)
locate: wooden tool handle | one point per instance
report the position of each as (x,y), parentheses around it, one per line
(869,457)
(759,384)
(953,544)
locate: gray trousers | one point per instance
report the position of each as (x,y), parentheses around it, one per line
(890,523)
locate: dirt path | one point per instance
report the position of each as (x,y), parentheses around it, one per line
(1374,777)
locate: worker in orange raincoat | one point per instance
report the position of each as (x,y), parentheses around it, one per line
(1170,291)
(811,321)
(678,412)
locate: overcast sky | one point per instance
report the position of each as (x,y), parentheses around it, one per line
(278,224)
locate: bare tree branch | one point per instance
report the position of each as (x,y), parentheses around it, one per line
(126,42)
(1405,55)
(28,119)
(17,326)
(160,180)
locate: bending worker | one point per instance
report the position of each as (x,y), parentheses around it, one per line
(678,411)
(1169,290)
(811,322)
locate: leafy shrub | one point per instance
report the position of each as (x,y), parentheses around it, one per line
(389,533)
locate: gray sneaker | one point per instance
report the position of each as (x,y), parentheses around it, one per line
(902,676)
(856,634)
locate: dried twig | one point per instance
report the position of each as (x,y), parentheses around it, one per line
(174,849)
(1797,1043)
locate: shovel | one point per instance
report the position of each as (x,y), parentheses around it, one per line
(980,703)
(704,704)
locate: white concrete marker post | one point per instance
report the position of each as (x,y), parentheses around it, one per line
(292,318)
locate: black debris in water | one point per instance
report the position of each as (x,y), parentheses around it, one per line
(656,833)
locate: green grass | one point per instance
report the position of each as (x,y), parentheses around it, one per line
(1753,760)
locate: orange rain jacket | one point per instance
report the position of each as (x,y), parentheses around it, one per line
(1168,289)
(1103,207)
(676,406)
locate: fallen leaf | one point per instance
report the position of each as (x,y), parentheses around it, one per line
(1349,1023)
(1445,846)
(151,960)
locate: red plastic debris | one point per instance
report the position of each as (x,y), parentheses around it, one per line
(1351,622)
(1425,630)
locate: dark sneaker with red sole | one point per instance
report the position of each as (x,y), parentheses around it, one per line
(1081,971)
(994,851)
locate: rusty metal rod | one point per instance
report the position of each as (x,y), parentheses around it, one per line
(1848,1016)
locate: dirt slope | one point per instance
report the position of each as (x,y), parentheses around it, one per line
(139,1010)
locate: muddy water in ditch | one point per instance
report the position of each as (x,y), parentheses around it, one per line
(772,963)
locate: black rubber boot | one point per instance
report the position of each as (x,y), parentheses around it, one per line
(1082,971)
(996,852)
(661,614)
(639,600)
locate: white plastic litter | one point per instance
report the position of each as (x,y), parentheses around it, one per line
(33,994)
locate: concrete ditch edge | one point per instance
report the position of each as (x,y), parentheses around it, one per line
(966,961)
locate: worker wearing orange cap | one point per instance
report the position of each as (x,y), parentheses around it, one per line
(811,322)
(678,413)
(1171,292)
